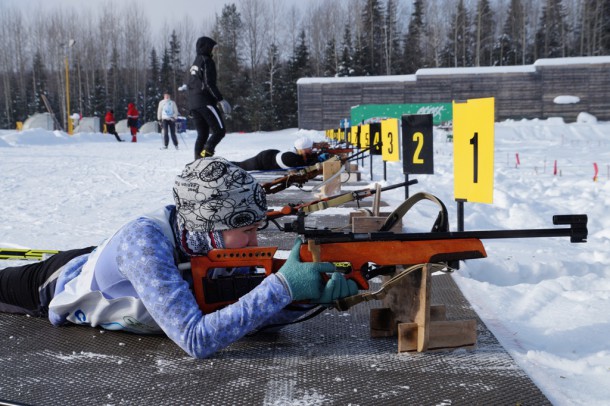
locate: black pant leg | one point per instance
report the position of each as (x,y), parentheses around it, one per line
(20,285)
(172,129)
(203,131)
(216,125)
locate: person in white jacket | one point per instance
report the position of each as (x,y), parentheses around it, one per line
(132,281)
(167,113)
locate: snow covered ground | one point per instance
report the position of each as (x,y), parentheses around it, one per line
(547,300)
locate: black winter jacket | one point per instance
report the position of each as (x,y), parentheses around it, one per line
(202,90)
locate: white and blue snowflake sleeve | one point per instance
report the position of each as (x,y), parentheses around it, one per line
(145,257)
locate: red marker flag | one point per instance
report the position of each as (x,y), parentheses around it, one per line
(596,169)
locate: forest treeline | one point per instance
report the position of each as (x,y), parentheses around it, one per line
(265,47)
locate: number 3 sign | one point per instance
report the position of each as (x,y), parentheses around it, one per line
(473,150)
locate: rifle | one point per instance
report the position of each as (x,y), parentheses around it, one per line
(324,147)
(301,176)
(331,201)
(360,256)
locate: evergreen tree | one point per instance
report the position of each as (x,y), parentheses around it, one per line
(272,83)
(117,99)
(154,92)
(457,52)
(298,67)
(175,58)
(604,48)
(98,98)
(359,59)
(483,34)
(346,59)
(372,38)
(329,64)
(166,73)
(231,76)
(412,55)
(391,42)
(509,48)
(39,85)
(551,37)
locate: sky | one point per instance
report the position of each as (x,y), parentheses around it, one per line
(158,11)
(545,299)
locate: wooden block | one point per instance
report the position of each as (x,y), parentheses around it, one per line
(362,222)
(452,334)
(365,224)
(350,177)
(442,335)
(407,337)
(333,187)
(438,312)
(382,323)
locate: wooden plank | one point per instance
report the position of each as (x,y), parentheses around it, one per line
(448,334)
(382,322)
(422,317)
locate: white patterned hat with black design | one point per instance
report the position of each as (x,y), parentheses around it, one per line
(212,194)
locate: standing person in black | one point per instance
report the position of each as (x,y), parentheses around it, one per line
(273,159)
(203,96)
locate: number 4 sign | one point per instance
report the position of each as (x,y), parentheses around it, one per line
(473,150)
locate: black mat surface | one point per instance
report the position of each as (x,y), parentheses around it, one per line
(328,360)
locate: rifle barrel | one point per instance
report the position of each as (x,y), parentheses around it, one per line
(577,233)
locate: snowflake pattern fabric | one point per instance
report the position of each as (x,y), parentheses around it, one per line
(145,258)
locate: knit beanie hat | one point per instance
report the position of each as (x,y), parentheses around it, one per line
(212,194)
(303,143)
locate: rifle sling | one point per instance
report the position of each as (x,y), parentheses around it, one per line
(442,221)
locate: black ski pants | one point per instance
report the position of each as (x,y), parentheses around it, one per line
(28,289)
(169,126)
(263,161)
(207,118)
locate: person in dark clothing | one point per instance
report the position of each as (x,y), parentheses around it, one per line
(203,98)
(273,159)
(110,125)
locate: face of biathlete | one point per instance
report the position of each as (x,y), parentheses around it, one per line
(241,237)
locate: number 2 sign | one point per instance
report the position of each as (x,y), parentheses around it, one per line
(417,152)
(473,150)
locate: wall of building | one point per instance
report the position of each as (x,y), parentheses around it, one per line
(520,91)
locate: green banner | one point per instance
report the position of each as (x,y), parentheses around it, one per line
(442,113)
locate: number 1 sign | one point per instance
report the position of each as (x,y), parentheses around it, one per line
(473,150)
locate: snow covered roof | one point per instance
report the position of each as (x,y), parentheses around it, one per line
(469,71)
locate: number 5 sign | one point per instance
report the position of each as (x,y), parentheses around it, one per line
(473,150)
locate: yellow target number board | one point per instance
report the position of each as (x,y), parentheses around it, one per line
(473,149)
(390,140)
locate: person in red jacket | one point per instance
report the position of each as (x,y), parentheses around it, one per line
(110,125)
(132,121)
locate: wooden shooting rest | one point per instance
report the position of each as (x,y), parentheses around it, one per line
(407,311)
(419,325)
